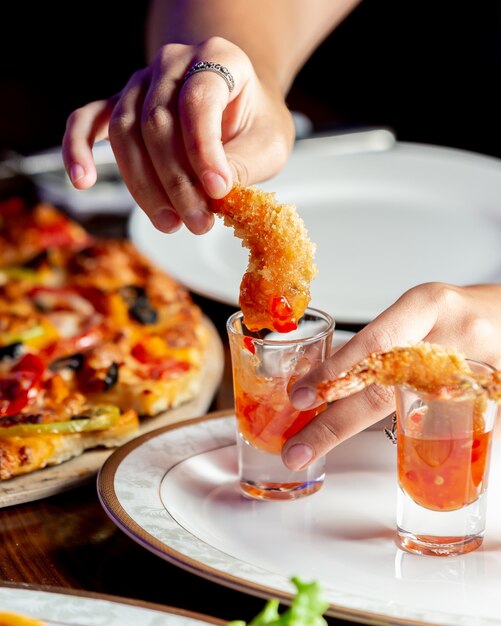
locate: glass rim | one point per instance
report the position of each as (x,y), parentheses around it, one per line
(331,324)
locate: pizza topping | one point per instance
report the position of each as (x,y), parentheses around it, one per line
(61,299)
(37,334)
(74,362)
(95,380)
(11,350)
(30,363)
(140,308)
(25,274)
(96,418)
(20,418)
(15,391)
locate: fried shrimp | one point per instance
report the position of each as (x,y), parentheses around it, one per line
(275,289)
(425,367)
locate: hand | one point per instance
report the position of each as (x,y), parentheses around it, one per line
(177,145)
(465,318)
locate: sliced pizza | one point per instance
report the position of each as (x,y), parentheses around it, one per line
(92,335)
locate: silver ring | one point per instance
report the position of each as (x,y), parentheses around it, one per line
(210,66)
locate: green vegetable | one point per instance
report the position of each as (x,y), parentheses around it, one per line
(306,609)
(22,273)
(99,417)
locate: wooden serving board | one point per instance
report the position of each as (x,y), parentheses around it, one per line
(58,478)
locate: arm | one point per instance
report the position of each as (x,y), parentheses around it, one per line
(178,144)
(465,318)
(277,36)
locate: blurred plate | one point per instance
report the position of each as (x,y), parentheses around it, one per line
(109,195)
(383,220)
(76,608)
(175,492)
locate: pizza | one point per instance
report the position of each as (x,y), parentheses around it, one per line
(93,338)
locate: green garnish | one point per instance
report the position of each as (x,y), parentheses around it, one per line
(99,417)
(306,609)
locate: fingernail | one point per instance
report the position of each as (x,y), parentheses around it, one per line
(198,221)
(166,220)
(298,455)
(215,185)
(303,397)
(76,172)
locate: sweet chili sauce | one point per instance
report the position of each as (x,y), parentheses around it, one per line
(266,418)
(443,473)
(283,320)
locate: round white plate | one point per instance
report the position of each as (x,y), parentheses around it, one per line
(65,608)
(175,493)
(383,222)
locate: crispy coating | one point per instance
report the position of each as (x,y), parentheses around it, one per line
(275,289)
(426,367)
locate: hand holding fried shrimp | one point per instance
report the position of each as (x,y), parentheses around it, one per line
(275,289)
(178,143)
(466,318)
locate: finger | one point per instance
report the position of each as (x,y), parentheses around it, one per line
(84,127)
(212,115)
(202,102)
(163,140)
(255,146)
(133,159)
(410,319)
(341,420)
(261,151)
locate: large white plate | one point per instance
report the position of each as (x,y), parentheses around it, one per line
(64,608)
(175,493)
(383,221)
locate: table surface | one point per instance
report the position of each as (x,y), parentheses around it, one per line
(68,542)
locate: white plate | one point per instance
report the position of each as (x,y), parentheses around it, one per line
(175,493)
(383,221)
(64,608)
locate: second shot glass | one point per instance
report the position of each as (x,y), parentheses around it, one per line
(443,459)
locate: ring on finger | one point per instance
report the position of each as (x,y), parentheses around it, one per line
(210,66)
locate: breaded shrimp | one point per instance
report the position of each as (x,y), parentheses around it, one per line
(426,367)
(275,289)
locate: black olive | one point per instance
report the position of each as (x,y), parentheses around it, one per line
(139,305)
(11,351)
(111,377)
(130,293)
(20,418)
(143,312)
(74,362)
(37,260)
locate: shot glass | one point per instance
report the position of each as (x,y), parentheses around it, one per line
(265,364)
(443,458)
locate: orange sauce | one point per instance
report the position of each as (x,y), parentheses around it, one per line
(443,474)
(267,422)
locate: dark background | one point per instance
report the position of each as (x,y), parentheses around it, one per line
(429,70)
